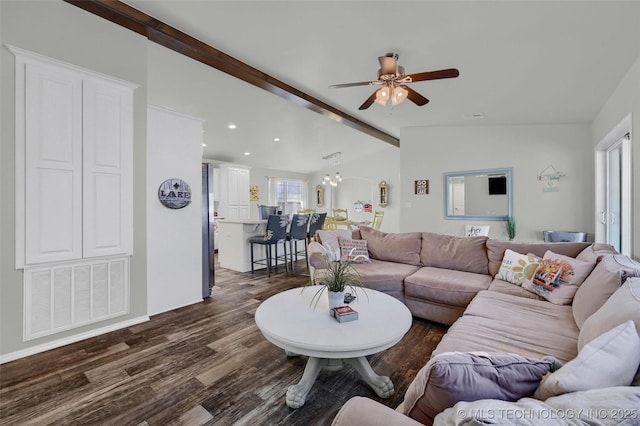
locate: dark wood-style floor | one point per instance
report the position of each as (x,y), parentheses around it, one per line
(202,364)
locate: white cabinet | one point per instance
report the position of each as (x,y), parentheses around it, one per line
(234,192)
(74,152)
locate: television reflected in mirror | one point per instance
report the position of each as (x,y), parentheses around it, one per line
(479,194)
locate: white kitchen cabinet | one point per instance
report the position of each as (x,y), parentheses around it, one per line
(74,151)
(234,192)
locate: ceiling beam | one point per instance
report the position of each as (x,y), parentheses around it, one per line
(174,39)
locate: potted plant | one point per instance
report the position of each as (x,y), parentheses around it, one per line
(511,227)
(337,277)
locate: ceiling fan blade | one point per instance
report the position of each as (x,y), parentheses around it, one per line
(415,97)
(361,83)
(370,100)
(434,75)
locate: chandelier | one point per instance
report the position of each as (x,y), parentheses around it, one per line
(338,177)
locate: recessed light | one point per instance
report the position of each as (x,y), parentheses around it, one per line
(231,126)
(204,144)
(247,153)
(276,139)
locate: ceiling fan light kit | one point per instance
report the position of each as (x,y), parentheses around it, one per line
(393,79)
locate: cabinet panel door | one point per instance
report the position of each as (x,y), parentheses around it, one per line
(107,169)
(53,164)
(243,187)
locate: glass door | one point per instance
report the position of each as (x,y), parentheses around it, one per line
(612,217)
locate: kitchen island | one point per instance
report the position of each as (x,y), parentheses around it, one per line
(234,250)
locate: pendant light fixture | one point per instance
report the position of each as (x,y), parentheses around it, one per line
(327,177)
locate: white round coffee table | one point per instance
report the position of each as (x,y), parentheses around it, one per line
(289,321)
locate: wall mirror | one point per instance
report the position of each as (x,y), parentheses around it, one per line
(479,194)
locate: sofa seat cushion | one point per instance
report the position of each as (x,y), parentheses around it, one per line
(505,287)
(498,322)
(445,286)
(387,277)
(496,249)
(468,254)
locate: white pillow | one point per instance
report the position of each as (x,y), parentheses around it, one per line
(516,267)
(609,360)
(331,243)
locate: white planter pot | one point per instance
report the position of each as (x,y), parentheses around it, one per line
(336,298)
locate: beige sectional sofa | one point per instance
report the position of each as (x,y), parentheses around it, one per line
(452,280)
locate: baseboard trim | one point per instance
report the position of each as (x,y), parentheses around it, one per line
(71,339)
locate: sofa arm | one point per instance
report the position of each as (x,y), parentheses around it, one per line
(364,411)
(317,259)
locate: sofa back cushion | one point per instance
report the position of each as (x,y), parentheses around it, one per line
(393,247)
(595,252)
(467,254)
(604,280)
(496,249)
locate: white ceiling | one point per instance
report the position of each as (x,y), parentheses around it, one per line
(520,62)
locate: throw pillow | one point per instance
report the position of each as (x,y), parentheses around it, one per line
(450,377)
(610,360)
(558,277)
(516,267)
(331,243)
(354,251)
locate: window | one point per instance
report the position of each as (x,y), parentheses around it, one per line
(290,195)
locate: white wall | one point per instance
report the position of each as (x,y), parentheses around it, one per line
(360,181)
(428,152)
(174,236)
(625,100)
(67,33)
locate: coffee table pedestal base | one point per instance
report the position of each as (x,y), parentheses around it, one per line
(297,394)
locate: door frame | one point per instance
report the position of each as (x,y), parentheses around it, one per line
(612,138)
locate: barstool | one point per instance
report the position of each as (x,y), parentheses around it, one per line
(316,222)
(298,232)
(276,233)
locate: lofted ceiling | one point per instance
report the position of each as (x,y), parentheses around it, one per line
(520,62)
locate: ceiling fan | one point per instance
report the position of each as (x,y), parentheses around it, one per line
(393,80)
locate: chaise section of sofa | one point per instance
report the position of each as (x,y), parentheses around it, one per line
(498,322)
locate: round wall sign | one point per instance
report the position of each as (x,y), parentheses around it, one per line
(174,193)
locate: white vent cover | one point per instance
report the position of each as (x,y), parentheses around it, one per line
(68,295)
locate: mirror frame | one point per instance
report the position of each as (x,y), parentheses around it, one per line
(383,188)
(508,171)
(319,196)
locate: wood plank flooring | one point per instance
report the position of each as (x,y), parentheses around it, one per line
(204,364)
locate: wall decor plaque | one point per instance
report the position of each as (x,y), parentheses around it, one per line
(174,193)
(421,186)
